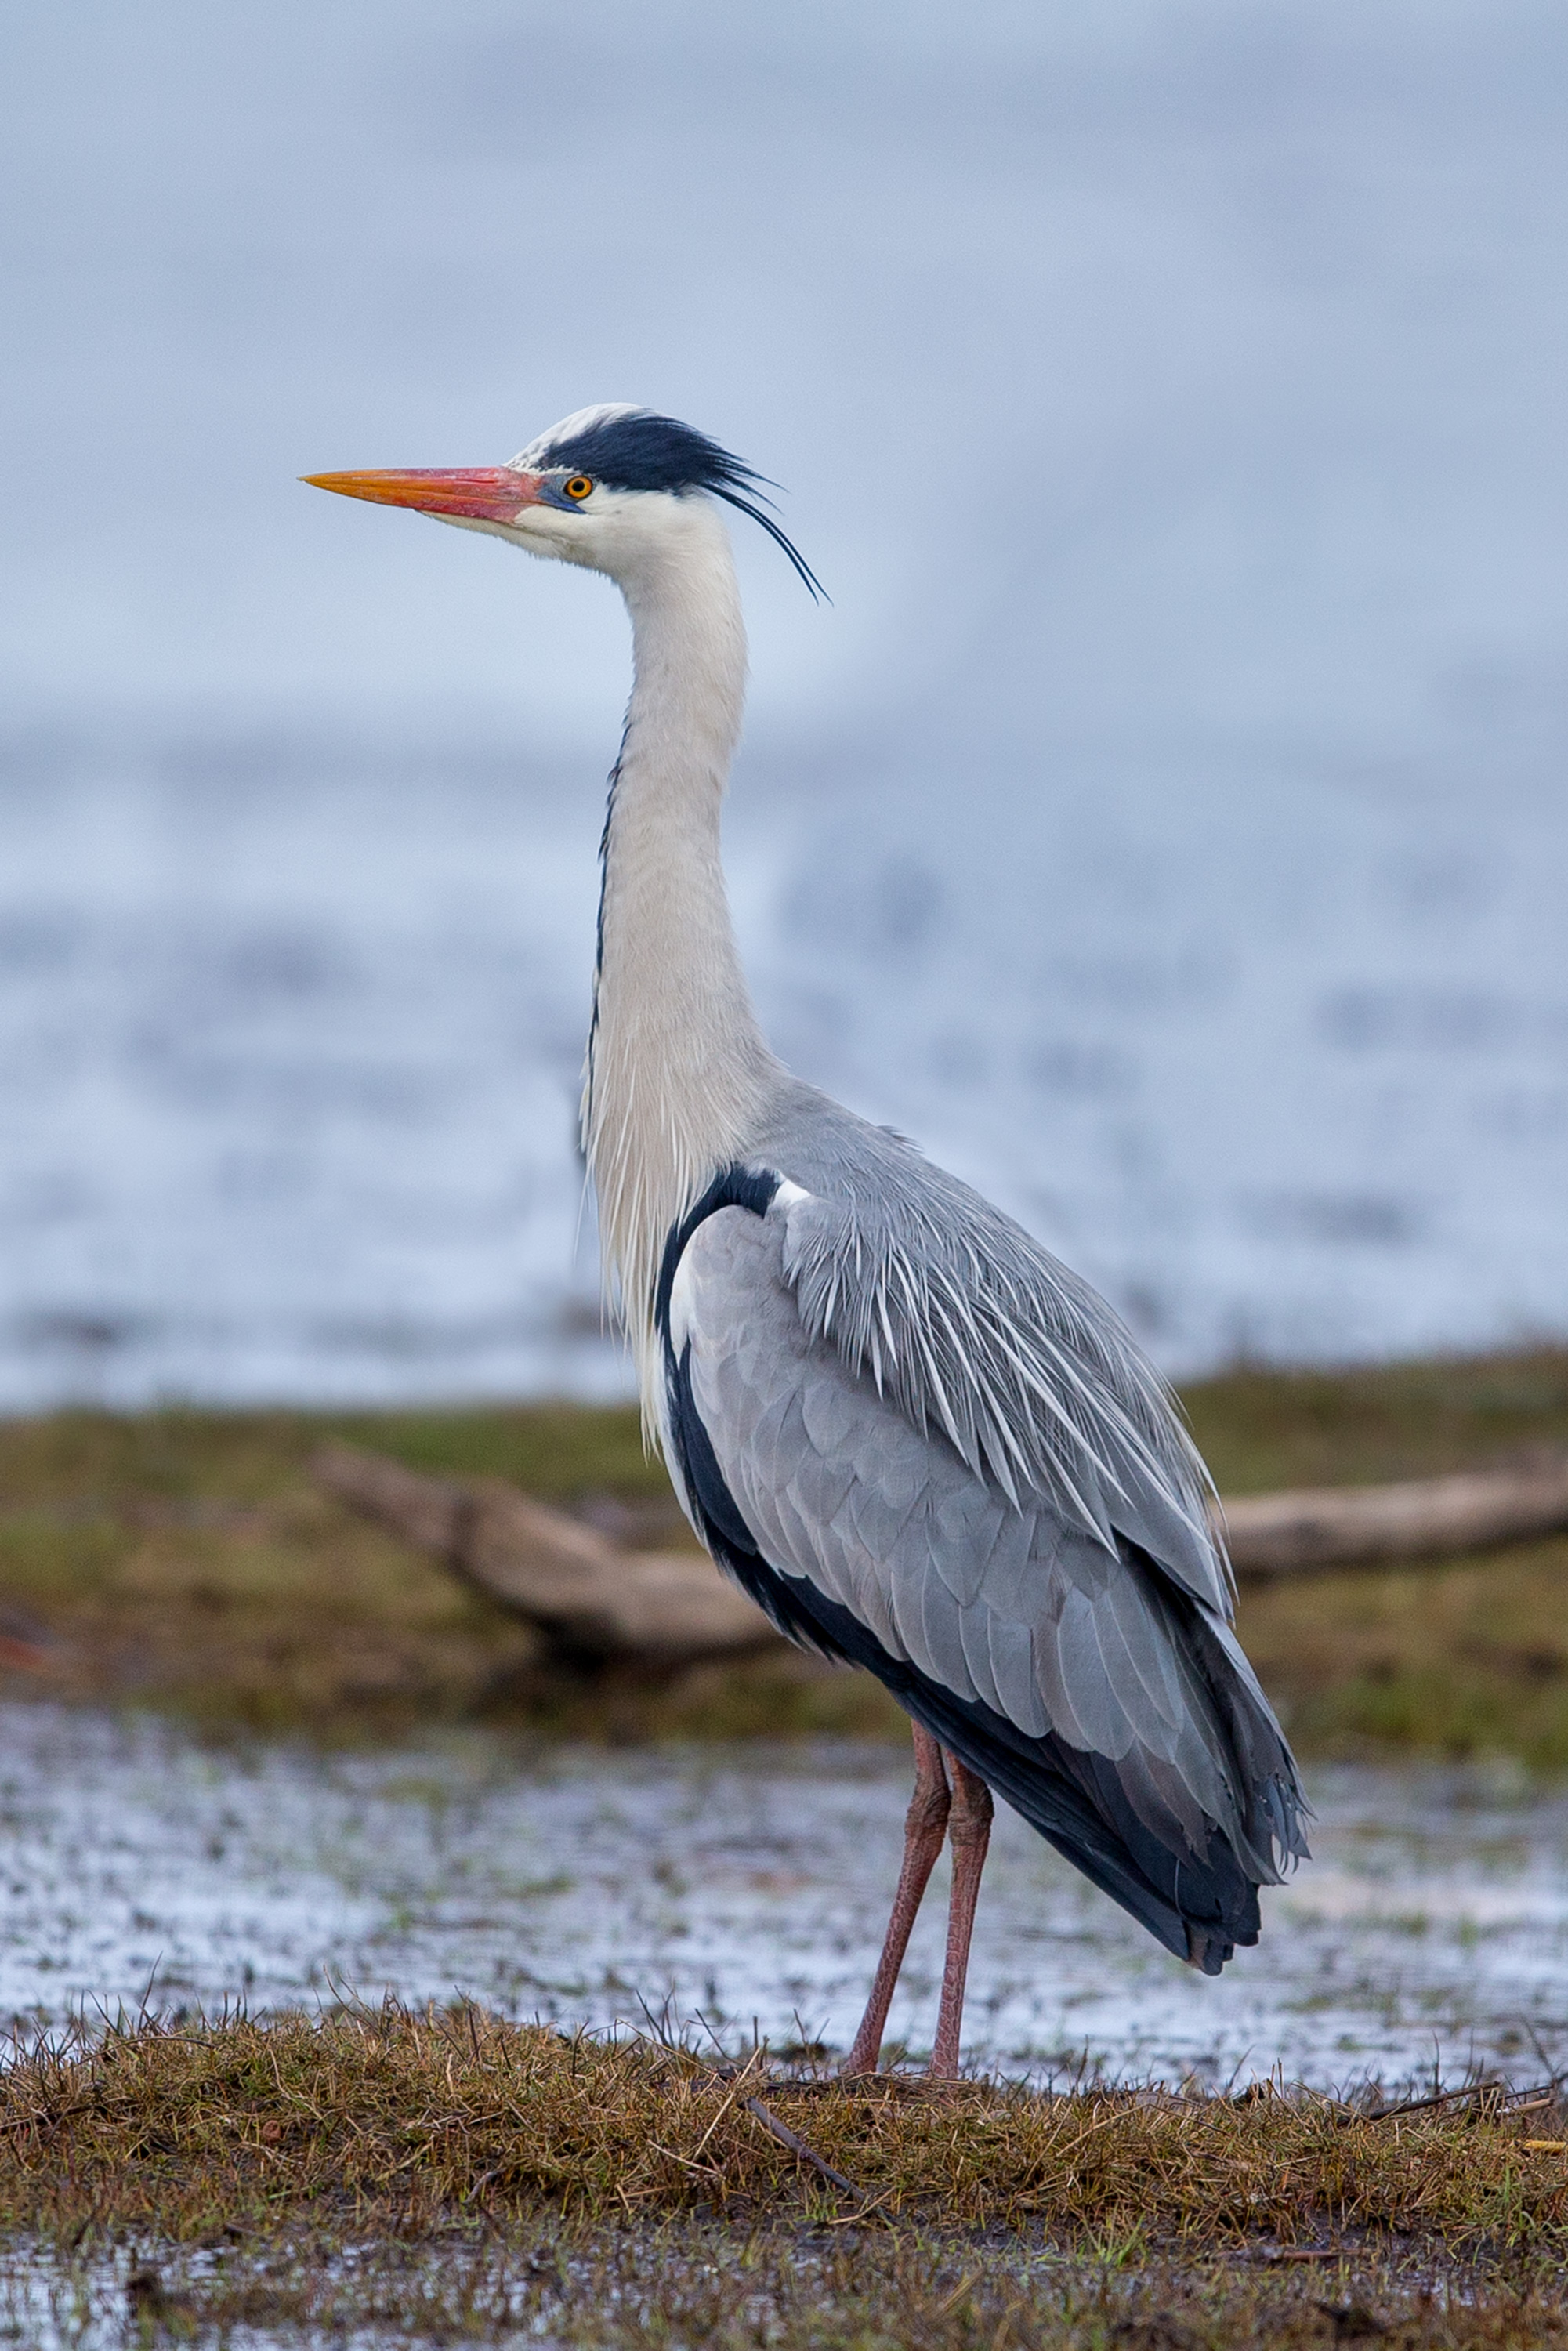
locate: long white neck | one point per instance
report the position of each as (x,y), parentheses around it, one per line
(676,1063)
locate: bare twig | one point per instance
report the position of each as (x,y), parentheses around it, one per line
(1526,2101)
(798,2147)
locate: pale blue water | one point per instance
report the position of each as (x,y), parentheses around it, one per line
(750,1887)
(1165,824)
(290,1043)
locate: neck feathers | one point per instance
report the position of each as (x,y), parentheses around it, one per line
(676,1065)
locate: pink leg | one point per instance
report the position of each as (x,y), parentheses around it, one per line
(970,1830)
(925,1826)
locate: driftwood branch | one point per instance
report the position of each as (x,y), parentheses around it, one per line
(594,1601)
(1429,1518)
(597,1603)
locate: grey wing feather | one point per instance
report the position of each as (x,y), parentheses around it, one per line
(1002,1601)
(970,1327)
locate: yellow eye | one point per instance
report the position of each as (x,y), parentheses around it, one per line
(579,487)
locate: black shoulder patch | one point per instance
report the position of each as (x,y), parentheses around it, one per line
(720,1523)
(733,1187)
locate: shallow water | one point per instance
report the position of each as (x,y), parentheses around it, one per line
(291,1041)
(738,1889)
(1164,824)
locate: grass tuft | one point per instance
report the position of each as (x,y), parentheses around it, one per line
(399,2124)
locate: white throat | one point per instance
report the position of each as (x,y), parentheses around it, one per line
(676,1065)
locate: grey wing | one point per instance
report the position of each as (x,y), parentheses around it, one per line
(1080,1645)
(970,1327)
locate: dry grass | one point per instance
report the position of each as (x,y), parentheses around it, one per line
(451,2177)
(389,2122)
(184,1558)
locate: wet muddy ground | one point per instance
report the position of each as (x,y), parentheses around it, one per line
(735,1890)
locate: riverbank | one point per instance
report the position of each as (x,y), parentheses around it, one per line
(185,1561)
(447,2176)
(401,2122)
(332,2168)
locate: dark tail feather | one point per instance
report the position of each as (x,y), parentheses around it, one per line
(1199,1907)
(1200,1910)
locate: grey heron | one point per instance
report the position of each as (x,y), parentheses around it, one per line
(918,1441)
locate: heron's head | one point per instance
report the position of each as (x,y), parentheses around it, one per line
(613,488)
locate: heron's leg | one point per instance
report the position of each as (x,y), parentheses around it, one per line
(970,1830)
(925,1826)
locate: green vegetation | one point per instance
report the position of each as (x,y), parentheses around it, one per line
(1462,1659)
(1456,1658)
(1263,1429)
(184,1558)
(561,1451)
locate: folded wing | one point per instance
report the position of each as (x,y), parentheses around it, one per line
(1072,1646)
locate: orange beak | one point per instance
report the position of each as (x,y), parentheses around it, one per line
(477,494)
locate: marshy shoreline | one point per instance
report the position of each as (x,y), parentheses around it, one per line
(326,2169)
(446,2177)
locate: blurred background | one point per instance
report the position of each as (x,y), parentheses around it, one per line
(1164,823)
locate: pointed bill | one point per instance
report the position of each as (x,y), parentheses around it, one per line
(474,494)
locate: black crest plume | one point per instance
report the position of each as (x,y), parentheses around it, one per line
(639,450)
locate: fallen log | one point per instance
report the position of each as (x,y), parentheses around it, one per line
(26,1647)
(1291,1533)
(595,1602)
